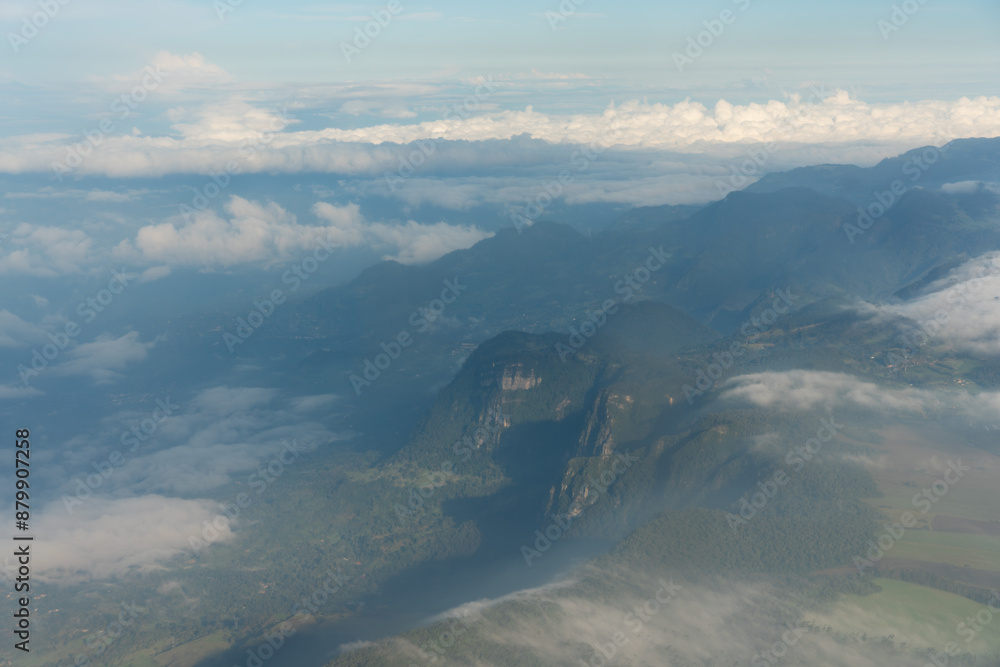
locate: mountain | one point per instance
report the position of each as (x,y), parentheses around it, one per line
(928,167)
(638,398)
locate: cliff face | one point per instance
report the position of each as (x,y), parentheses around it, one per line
(548,427)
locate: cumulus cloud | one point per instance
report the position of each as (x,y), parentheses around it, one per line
(414,243)
(104,538)
(255,232)
(252,232)
(46,251)
(182,72)
(208,136)
(692,126)
(229,121)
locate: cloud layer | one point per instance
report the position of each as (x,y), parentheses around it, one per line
(807,390)
(236,126)
(960,311)
(267,233)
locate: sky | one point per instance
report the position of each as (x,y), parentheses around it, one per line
(135,132)
(573,57)
(633,42)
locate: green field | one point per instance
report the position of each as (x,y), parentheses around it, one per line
(920,616)
(980,552)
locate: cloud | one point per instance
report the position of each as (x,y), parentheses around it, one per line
(722,621)
(691,125)
(206,136)
(216,437)
(376,108)
(106,357)
(154,273)
(13,392)
(808,390)
(414,243)
(234,120)
(107,196)
(959,312)
(311,403)
(105,538)
(222,401)
(15,332)
(183,72)
(46,251)
(255,232)
(970,187)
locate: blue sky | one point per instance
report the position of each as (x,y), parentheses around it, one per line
(951,47)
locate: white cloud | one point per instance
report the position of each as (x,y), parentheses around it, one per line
(223,401)
(220,435)
(376,108)
(15,332)
(105,538)
(311,403)
(13,392)
(107,196)
(46,251)
(154,273)
(692,126)
(414,243)
(207,136)
(106,357)
(234,120)
(969,187)
(808,390)
(255,232)
(961,311)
